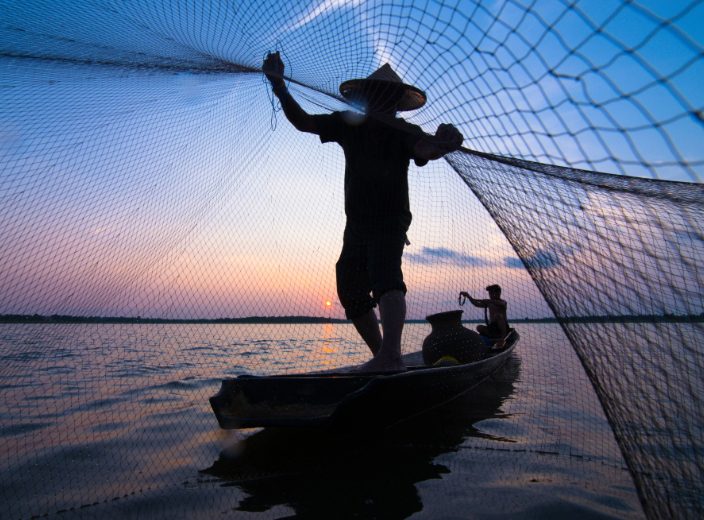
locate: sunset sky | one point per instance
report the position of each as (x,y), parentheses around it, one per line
(129,191)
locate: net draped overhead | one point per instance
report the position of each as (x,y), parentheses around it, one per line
(146,171)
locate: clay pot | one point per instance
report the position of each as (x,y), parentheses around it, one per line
(451,341)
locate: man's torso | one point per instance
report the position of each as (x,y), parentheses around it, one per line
(377,156)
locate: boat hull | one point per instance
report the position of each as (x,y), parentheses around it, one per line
(344,399)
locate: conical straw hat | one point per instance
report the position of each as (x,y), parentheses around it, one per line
(411,99)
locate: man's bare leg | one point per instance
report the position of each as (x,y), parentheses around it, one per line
(368,327)
(392,307)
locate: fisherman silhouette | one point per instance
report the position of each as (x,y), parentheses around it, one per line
(378,147)
(496,327)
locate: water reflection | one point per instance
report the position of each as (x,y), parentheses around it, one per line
(360,474)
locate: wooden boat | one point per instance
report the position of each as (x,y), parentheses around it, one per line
(343,399)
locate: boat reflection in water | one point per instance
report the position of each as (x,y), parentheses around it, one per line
(360,473)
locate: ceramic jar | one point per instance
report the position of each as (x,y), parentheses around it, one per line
(450,342)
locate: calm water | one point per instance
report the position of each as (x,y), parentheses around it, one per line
(108,420)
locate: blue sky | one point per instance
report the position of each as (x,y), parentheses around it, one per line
(557,83)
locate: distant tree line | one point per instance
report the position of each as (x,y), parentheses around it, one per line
(61,318)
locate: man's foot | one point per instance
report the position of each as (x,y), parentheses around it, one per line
(379,364)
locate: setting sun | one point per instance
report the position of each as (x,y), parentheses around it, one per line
(328,303)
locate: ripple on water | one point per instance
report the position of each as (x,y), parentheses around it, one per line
(236,370)
(161,399)
(62,353)
(23,428)
(59,370)
(101,403)
(23,356)
(199,348)
(188,383)
(209,351)
(15,385)
(108,427)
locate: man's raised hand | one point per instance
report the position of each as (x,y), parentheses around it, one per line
(449,137)
(273,69)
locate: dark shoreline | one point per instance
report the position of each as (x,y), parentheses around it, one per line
(60,318)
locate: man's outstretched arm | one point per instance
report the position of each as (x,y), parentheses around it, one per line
(447,139)
(474,301)
(273,68)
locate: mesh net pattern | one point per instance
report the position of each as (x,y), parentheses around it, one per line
(146,172)
(539,208)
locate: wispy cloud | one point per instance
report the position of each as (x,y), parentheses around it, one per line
(540,260)
(322,9)
(513,263)
(381,49)
(442,255)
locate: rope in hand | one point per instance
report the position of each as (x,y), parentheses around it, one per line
(462,299)
(273,100)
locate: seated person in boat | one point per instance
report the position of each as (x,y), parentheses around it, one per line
(378,148)
(496,327)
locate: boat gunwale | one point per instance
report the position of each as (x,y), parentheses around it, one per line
(408,371)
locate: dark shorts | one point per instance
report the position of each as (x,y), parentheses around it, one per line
(369,264)
(492,330)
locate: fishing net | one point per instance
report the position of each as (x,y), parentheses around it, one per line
(149,176)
